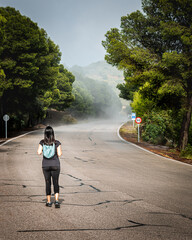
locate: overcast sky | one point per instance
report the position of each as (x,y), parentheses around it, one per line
(77,26)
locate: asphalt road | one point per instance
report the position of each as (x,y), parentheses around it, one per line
(109,189)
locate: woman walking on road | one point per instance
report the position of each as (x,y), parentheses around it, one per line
(51,150)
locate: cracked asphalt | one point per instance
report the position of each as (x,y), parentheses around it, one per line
(109,189)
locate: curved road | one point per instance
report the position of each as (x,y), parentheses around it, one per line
(109,189)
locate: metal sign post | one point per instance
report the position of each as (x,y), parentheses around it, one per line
(6,119)
(138,120)
(138,134)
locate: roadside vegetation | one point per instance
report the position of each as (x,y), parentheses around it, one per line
(34,84)
(93,98)
(153,48)
(130,134)
(31,76)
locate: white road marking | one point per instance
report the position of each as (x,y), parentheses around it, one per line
(170,159)
(17,137)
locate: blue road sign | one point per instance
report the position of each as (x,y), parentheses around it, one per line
(133,116)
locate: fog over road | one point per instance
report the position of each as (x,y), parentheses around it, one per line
(109,189)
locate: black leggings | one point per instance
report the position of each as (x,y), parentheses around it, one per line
(54,173)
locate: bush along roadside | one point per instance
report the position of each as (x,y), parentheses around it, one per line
(129,133)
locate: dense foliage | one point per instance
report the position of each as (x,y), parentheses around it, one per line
(31,76)
(94,98)
(154,49)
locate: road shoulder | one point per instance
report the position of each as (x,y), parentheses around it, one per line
(164,151)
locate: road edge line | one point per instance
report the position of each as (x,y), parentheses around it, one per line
(125,141)
(10,140)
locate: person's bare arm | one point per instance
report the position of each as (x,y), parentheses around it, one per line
(40,149)
(59,151)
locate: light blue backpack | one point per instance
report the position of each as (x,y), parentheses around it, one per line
(48,150)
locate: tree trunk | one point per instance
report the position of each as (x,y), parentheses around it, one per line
(184,135)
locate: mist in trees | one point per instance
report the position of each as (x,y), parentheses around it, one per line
(94,98)
(32,80)
(154,50)
(31,76)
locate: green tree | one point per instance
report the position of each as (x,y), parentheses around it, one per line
(60,97)
(94,98)
(154,49)
(83,104)
(29,67)
(3,84)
